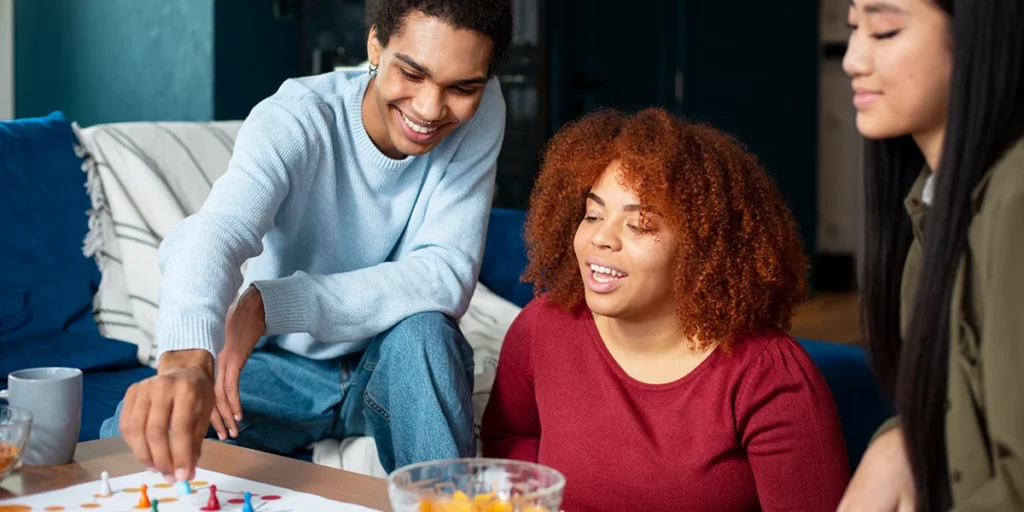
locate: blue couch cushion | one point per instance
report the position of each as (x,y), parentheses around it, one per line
(862,403)
(46,283)
(504,258)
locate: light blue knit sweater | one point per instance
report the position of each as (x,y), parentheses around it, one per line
(346,241)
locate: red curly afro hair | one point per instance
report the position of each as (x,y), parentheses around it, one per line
(740,265)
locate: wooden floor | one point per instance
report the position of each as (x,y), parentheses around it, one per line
(833,317)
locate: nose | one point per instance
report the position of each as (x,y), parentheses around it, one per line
(606,237)
(429,103)
(857,60)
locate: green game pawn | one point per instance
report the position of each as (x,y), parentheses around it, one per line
(155,501)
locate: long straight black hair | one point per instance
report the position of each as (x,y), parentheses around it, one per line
(985,117)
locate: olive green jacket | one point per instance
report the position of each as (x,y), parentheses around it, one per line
(985,400)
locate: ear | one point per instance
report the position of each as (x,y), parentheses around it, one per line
(373,47)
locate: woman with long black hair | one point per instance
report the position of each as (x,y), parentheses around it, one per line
(939,91)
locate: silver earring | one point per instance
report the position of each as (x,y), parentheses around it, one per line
(373,71)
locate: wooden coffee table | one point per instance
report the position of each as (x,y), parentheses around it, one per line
(113,456)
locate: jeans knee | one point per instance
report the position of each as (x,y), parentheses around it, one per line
(425,337)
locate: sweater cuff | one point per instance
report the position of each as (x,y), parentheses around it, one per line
(888,425)
(286,305)
(189,333)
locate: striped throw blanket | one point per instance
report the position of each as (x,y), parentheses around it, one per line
(143,178)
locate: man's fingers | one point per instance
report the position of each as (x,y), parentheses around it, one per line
(231,390)
(127,407)
(133,428)
(199,429)
(182,433)
(223,408)
(218,424)
(157,423)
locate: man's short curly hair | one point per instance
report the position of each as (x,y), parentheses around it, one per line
(492,18)
(740,265)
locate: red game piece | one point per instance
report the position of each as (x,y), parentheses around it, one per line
(212,503)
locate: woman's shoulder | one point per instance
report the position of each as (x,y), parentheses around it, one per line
(774,361)
(998,221)
(539,323)
(540,309)
(755,343)
(540,319)
(771,350)
(1005,181)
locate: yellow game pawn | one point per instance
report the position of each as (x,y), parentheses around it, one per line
(143,498)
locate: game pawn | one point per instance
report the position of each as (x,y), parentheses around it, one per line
(247,506)
(213,503)
(105,485)
(143,498)
(155,503)
(184,488)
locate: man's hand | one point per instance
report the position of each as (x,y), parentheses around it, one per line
(883,481)
(245,325)
(164,418)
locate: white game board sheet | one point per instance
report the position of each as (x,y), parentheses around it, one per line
(127,494)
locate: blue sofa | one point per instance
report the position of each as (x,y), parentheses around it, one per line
(37,162)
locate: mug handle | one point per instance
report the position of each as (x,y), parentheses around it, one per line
(3,395)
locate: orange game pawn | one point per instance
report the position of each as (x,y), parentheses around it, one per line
(143,498)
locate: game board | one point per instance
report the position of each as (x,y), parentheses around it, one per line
(126,496)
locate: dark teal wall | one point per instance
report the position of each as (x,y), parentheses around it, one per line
(114,60)
(254,52)
(748,67)
(760,82)
(103,61)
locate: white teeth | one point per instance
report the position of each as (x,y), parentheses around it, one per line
(415,127)
(598,269)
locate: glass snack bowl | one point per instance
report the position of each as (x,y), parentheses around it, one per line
(15,425)
(476,485)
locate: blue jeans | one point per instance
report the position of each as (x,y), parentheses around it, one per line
(410,389)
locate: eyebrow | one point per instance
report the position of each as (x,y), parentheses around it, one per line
(627,208)
(421,69)
(880,7)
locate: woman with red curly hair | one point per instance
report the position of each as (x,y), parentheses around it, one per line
(653,369)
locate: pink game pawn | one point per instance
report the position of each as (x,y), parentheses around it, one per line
(213,503)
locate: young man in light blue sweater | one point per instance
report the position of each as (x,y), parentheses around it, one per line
(363,199)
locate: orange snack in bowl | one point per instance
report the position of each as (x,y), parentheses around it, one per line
(460,502)
(8,455)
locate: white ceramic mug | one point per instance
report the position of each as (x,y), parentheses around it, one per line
(54,396)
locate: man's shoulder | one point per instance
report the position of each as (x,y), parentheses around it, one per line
(334,86)
(491,114)
(317,96)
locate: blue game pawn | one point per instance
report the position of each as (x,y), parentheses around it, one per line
(184,488)
(247,507)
